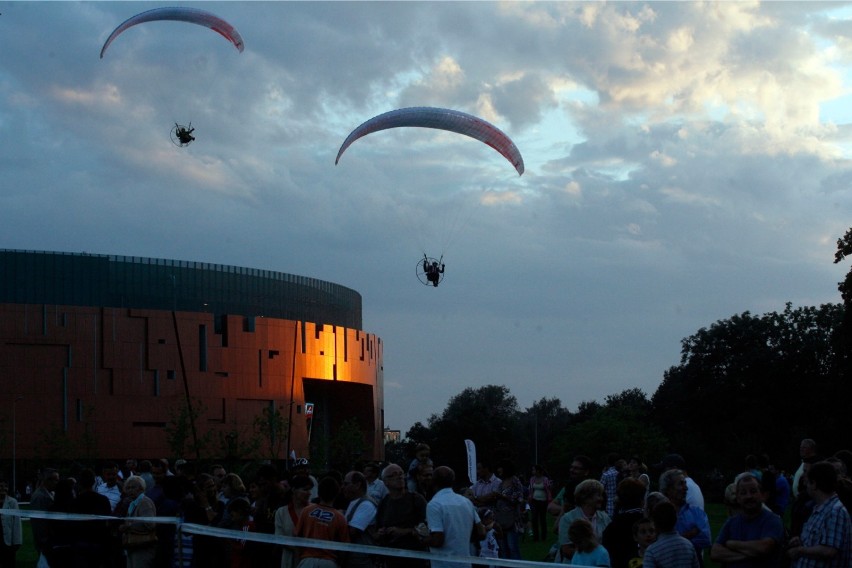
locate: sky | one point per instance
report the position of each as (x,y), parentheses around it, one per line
(685,162)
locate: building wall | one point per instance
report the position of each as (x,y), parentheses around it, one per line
(116,377)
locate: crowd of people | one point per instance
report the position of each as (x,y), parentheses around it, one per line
(597,516)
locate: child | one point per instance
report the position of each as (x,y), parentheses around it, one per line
(644,535)
(587,550)
(488,547)
(240,510)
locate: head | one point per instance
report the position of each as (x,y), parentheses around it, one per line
(354,485)
(636,465)
(631,494)
(371,472)
(673,486)
(239,509)
(301,487)
(483,470)
(443,477)
(207,484)
(159,469)
(654,499)
(749,494)
(328,489)
(425,475)
(232,484)
(422,452)
(218,472)
(589,492)
(130,465)
(109,473)
(644,533)
(85,480)
(301,466)
(821,479)
(582,535)
(394,478)
(664,516)
(580,467)
(134,486)
(807,449)
(4,488)
(50,477)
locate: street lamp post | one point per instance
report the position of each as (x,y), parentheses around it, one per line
(14,448)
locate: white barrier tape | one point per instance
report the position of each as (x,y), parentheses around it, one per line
(290,541)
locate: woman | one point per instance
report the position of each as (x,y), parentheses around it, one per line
(12,535)
(509,499)
(539,498)
(139,538)
(638,470)
(232,488)
(287,516)
(589,499)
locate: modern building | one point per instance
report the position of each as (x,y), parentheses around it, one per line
(125,357)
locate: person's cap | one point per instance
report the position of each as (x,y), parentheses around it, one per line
(672,461)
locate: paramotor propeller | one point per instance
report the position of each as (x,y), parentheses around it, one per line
(442,119)
(190,15)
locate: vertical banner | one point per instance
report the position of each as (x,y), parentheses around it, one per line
(471,460)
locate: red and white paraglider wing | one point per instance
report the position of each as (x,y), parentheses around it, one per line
(190,15)
(442,119)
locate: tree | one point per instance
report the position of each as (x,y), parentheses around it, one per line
(270,427)
(755,384)
(179,434)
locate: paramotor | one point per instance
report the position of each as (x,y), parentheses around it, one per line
(442,119)
(190,15)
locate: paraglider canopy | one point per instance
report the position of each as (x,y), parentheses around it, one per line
(442,119)
(190,15)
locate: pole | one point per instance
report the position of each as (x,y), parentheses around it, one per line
(14,448)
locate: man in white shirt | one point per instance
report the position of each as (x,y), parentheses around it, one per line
(361,516)
(375,486)
(452,520)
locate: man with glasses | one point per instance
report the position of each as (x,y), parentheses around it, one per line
(399,514)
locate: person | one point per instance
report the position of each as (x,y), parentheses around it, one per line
(42,500)
(184,134)
(587,551)
(754,536)
(489,547)
(579,470)
(609,479)
(321,521)
(61,531)
(808,454)
(692,522)
(826,540)
(239,517)
(453,522)
(670,550)
(644,536)
(399,512)
(108,486)
(360,517)
(487,486)
(421,456)
(91,537)
(694,496)
(589,497)
(270,498)
(375,486)
(12,529)
(540,487)
(637,469)
(302,466)
(231,487)
(433,271)
(287,516)
(508,504)
(139,554)
(425,486)
(618,537)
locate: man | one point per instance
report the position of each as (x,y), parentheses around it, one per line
(826,540)
(753,537)
(487,486)
(397,516)
(618,535)
(452,520)
(609,479)
(322,521)
(580,470)
(360,517)
(302,466)
(92,538)
(107,485)
(375,487)
(425,486)
(694,496)
(808,454)
(670,550)
(42,500)
(692,522)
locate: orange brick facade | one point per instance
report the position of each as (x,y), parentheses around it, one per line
(111,380)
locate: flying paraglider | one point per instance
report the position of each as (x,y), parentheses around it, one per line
(442,119)
(182,135)
(430,271)
(190,15)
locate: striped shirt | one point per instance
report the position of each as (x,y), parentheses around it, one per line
(828,525)
(670,551)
